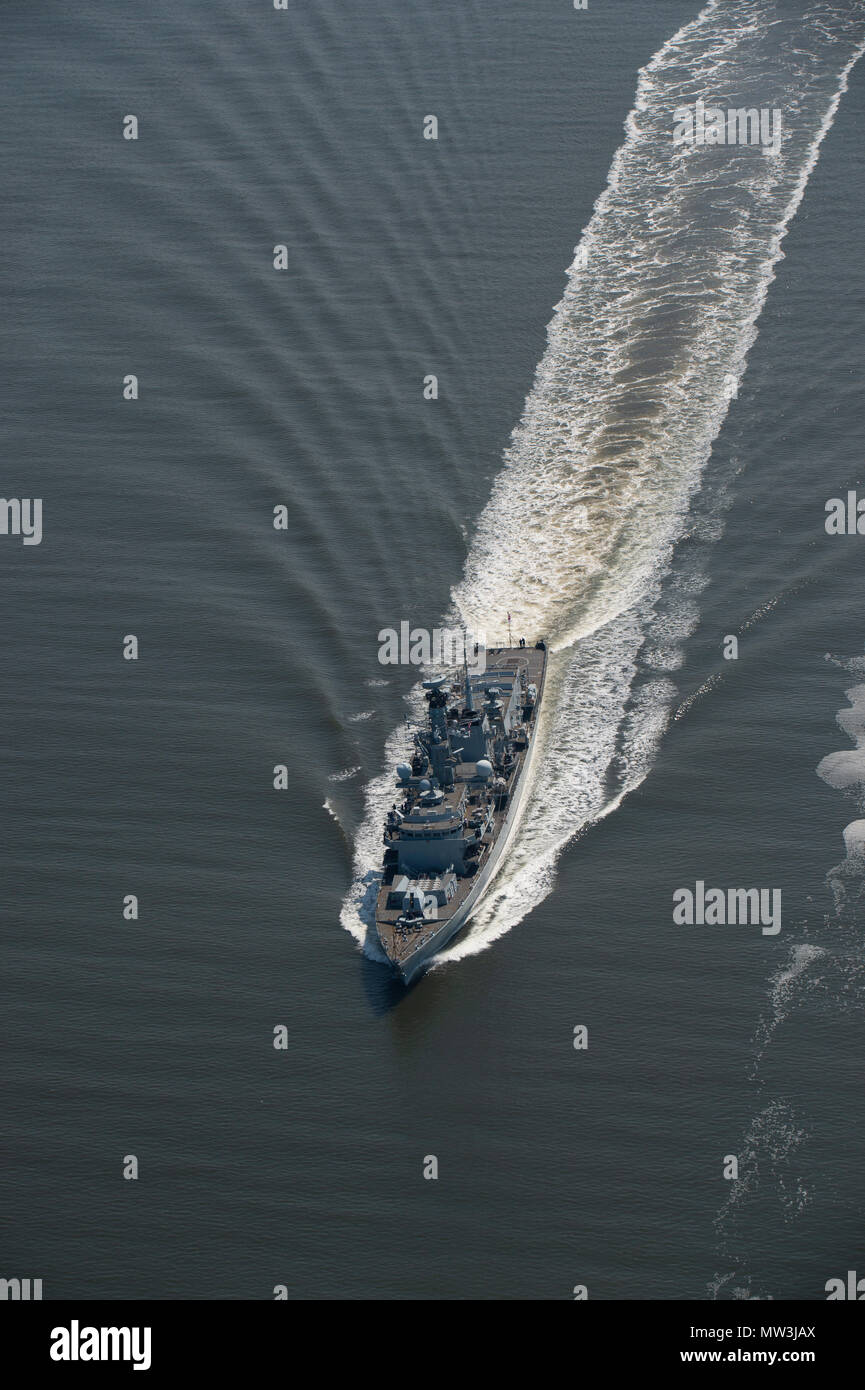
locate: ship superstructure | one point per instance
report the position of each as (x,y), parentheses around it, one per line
(456,802)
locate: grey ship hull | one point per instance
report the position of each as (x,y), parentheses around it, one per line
(413,963)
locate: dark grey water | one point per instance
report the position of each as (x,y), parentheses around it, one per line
(154,1038)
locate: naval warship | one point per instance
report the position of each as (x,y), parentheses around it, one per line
(458,800)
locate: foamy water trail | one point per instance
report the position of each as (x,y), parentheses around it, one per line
(831,976)
(646,345)
(785,987)
(645,351)
(769,1162)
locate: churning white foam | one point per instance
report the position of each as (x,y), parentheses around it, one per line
(846,768)
(854,838)
(648,343)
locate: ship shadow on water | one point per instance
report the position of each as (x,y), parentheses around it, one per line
(383,988)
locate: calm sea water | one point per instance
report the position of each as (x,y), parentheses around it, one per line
(665,763)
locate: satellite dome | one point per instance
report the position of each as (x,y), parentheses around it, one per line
(485,769)
(403,771)
(425,784)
